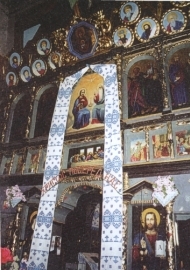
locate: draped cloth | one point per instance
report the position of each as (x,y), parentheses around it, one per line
(111,235)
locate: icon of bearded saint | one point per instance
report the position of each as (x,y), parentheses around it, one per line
(146,26)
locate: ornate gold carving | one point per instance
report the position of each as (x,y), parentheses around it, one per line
(6,115)
(170,139)
(15,243)
(82,179)
(30,111)
(118,60)
(125,181)
(167,48)
(169,232)
(166,102)
(85,139)
(70,188)
(61,77)
(104,28)
(149,52)
(141,201)
(183,122)
(146,128)
(60,42)
(147,142)
(11,162)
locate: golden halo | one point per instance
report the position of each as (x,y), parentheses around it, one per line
(143,215)
(173,14)
(122,31)
(127,7)
(82,90)
(146,22)
(32,215)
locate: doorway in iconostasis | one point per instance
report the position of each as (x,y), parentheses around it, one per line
(182,240)
(79,211)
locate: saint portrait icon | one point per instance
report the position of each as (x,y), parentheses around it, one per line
(39,67)
(15,60)
(11,79)
(147,28)
(43,47)
(123,37)
(130,12)
(173,21)
(54,60)
(25,74)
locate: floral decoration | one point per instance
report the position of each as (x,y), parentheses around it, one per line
(164,190)
(6,258)
(14,196)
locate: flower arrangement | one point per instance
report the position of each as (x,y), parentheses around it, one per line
(6,258)
(14,196)
(164,190)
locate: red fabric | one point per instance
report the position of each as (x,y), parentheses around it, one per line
(152,239)
(136,253)
(6,255)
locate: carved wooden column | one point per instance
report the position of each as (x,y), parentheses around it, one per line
(158,45)
(30,112)
(119,77)
(6,116)
(170,139)
(126,201)
(38,161)
(11,162)
(169,234)
(146,129)
(15,243)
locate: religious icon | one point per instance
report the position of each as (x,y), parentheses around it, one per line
(82,39)
(182,138)
(7,166)
(87,104)
(179,74)
(92,156)
(138,150)
(54,60)
(11,79)
(173,21)
(144,88)
(15,60)
(39,67)
(149,239)
(161,147)
(130,12)
(25,74)
(123,37)
(19,165)
(43,46)
(147,28)
(34,162)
